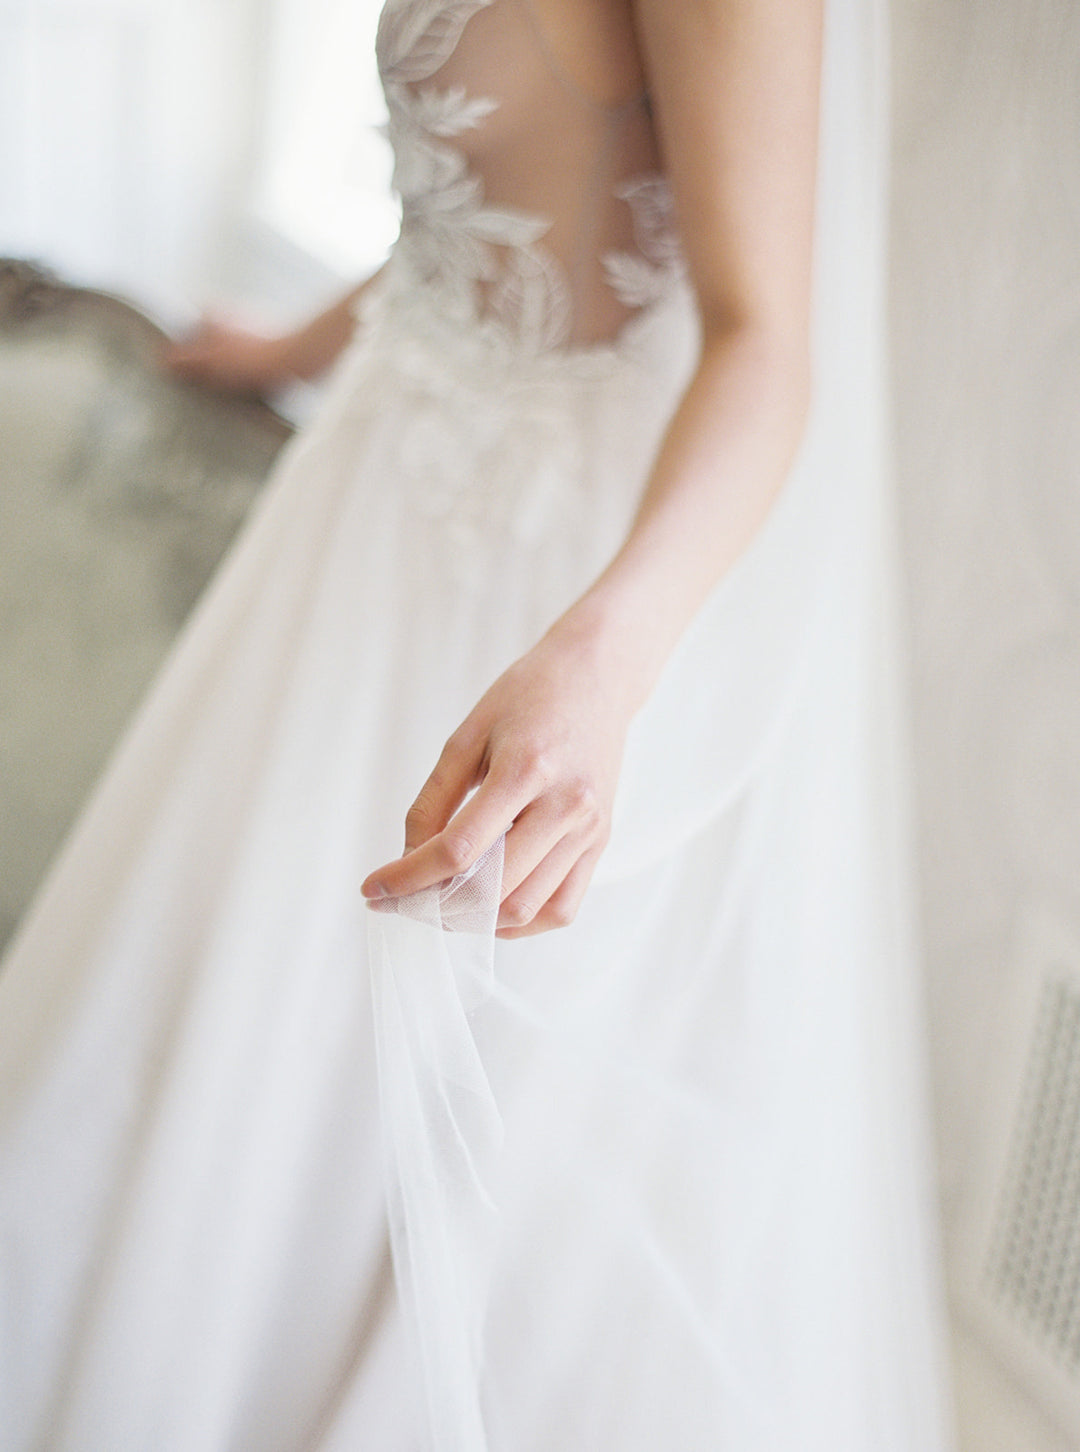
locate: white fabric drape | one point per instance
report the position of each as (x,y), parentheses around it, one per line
(794,663)
(661,1180)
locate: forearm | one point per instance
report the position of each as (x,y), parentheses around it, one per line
(225,356)
(546,740)
(734,87)
(312,348)
(730,445)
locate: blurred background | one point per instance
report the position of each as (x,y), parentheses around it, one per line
(180,150)
(180,153)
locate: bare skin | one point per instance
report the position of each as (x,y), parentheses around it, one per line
(734,90)
(229,357)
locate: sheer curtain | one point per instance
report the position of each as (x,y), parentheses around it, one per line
(175,149)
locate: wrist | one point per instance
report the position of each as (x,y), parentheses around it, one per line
(297,356)
(316,345)
(274,361)
(615,644)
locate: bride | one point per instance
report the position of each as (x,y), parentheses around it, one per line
(586,570)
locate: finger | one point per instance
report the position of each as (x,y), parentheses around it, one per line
(465,838)
(524,901)
(456,771)
(177,355)
(568,809)
(204,329)
(536,832)
(210,328)
(558,908)
(189,358)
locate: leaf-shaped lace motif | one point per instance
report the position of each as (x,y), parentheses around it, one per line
(635,281)
(488,260)
(416,37)
(652,208)
(533,292)
(640,278)
(449,113)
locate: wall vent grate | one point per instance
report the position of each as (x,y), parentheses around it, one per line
(1032,1268)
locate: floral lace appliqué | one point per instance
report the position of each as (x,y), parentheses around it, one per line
(488,260)
(643,277)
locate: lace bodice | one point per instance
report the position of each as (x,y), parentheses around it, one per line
(525,203)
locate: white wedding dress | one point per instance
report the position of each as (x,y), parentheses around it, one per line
(657,1182)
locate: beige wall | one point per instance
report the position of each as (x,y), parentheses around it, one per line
(986,358)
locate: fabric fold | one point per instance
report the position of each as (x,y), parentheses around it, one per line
(432,964)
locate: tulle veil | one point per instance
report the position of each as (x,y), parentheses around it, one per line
(776,743)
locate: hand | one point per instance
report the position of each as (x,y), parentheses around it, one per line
(544,747)
(230,358)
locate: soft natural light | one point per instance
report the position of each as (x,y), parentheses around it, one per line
(324,176)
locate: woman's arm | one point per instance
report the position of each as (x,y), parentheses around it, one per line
(734,85)
(736,98)
(232,358)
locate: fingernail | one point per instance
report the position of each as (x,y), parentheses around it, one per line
(374,890)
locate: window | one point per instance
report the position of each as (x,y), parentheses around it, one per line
(322,175)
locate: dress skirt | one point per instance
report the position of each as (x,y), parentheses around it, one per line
(274,1176)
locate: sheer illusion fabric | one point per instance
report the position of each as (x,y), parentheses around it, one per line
(282,1173)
